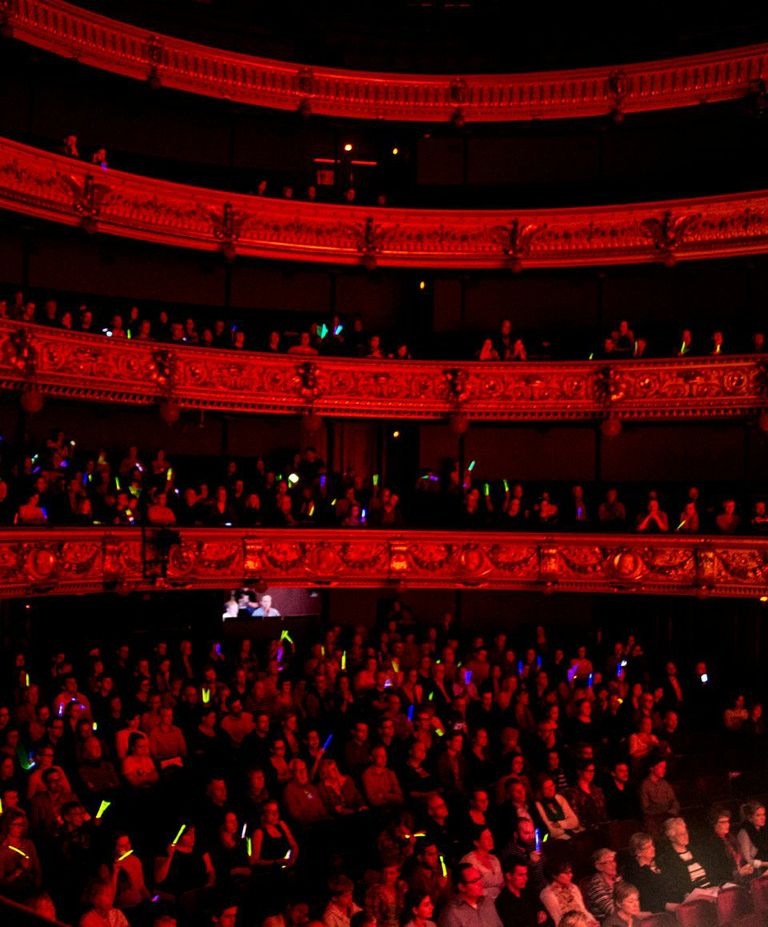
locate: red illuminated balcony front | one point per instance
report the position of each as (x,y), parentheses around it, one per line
(79,561)
(108,44)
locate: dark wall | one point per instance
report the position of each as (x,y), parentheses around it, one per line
(710,452)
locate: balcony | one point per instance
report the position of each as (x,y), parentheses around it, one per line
(81,561)
(95,368)
(108,44)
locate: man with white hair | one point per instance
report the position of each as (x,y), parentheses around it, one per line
(265,609)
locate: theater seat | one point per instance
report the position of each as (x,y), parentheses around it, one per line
(697,913)
(662,919)
(734,907)
(759,892)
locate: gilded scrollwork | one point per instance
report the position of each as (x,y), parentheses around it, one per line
(55,561)
(139,207)
(91,366)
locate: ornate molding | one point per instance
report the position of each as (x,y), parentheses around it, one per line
(95,368)
(60,189)
(58,562)
(105,43)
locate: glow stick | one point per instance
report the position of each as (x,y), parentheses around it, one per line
(344,659)
(287,859)
(328,739)
(396,666)
(26,679)
(102,808)
(176,839)
(443,867)
(23,755)
(375,479)
(249,846)
(506,486)
(243,831)
(17,850)
(440,732)
(471,466)
(206,693)
(410,713)
(125,856)
(537,839)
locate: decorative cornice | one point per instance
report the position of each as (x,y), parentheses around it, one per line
(57,562)
(63,190)
(104,43)
(96,368)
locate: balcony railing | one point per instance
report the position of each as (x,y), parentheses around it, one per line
(96,368)
(60,189)
(104,43)
(76,561)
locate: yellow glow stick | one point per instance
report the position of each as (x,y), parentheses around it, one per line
(443,868)
(344,659)
(17,850)
(102,808)
(206,696)
(124,856)
(249,846)
(178,836)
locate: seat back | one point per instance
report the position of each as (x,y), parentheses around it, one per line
(697,913)
(662,919)
(733,903)
(759,891)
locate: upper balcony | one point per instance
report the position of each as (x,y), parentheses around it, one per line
(67,191)
(142,54)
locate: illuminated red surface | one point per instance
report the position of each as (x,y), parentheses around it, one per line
(93,367)
(63,190)
(95,40)
(61,561)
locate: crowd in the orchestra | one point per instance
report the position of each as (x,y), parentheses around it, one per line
(57,482)
(376,778)
(339,336)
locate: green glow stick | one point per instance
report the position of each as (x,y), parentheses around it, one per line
(176,839)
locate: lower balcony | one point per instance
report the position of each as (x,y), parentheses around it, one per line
(84,561)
